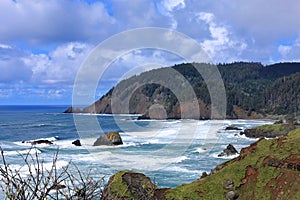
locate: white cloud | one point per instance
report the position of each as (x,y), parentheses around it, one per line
(170,5)
(60,65)
(234,30)
(12,66)
(166,7)
(4,46)
(57,68)
(50,21)
(290,52)
(284,50)
(221,39)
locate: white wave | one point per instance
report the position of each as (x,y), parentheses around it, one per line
(28,142)
(183,170)
(201,150)
(215,155)
(24,170)
(112,115)
(22,152)
(131,161)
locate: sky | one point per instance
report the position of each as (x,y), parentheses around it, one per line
(44,42)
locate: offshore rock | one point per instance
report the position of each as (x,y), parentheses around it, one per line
(230,150)
(110,139)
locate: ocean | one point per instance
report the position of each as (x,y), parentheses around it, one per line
(170,152)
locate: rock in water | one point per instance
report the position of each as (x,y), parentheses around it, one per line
(35,142)
(230,150)
(77,143)
(229,128)
(111,138)
(129,185)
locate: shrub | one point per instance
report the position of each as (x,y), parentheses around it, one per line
(42,183)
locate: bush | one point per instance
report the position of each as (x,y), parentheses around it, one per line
(42,183)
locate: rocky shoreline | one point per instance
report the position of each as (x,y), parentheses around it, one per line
(266,169)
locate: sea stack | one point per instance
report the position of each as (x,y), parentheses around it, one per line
(110,139)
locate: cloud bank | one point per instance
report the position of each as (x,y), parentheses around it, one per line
(43,43)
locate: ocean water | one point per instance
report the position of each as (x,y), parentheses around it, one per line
(170,152)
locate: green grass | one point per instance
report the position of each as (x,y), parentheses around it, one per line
(280,129)
(212,187)
(118,189)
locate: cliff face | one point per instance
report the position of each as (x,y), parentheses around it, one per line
(267,169)
(252,91)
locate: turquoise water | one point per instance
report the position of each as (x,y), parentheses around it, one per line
(171,152)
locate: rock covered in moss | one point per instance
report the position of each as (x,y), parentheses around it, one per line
(129,185)
(111,138)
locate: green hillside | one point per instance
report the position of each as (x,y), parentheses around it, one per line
(252,91)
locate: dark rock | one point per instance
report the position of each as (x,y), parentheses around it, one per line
(279,122)
(228,128)
(143,117)
(111,138)
(35,142)
(230,150)
(231,195)
(217,168)
(204,174)
(76,143)
(72,110)
(229,185)
(292,163)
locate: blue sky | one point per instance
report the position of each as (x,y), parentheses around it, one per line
(43,43)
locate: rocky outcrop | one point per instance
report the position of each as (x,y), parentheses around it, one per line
(111,138)
(229,151)
(217,168)
(132,185)
(232,195)
(229,128)
(76,143)
(269,130)
(35,142)
(291,163)
(73,110)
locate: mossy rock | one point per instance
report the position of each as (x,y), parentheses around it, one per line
(129,185)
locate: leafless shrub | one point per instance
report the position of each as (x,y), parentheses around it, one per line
(42,183)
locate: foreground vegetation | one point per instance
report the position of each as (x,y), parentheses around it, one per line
(267,169)
(40,182)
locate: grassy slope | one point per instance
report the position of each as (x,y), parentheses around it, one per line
(268,183)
